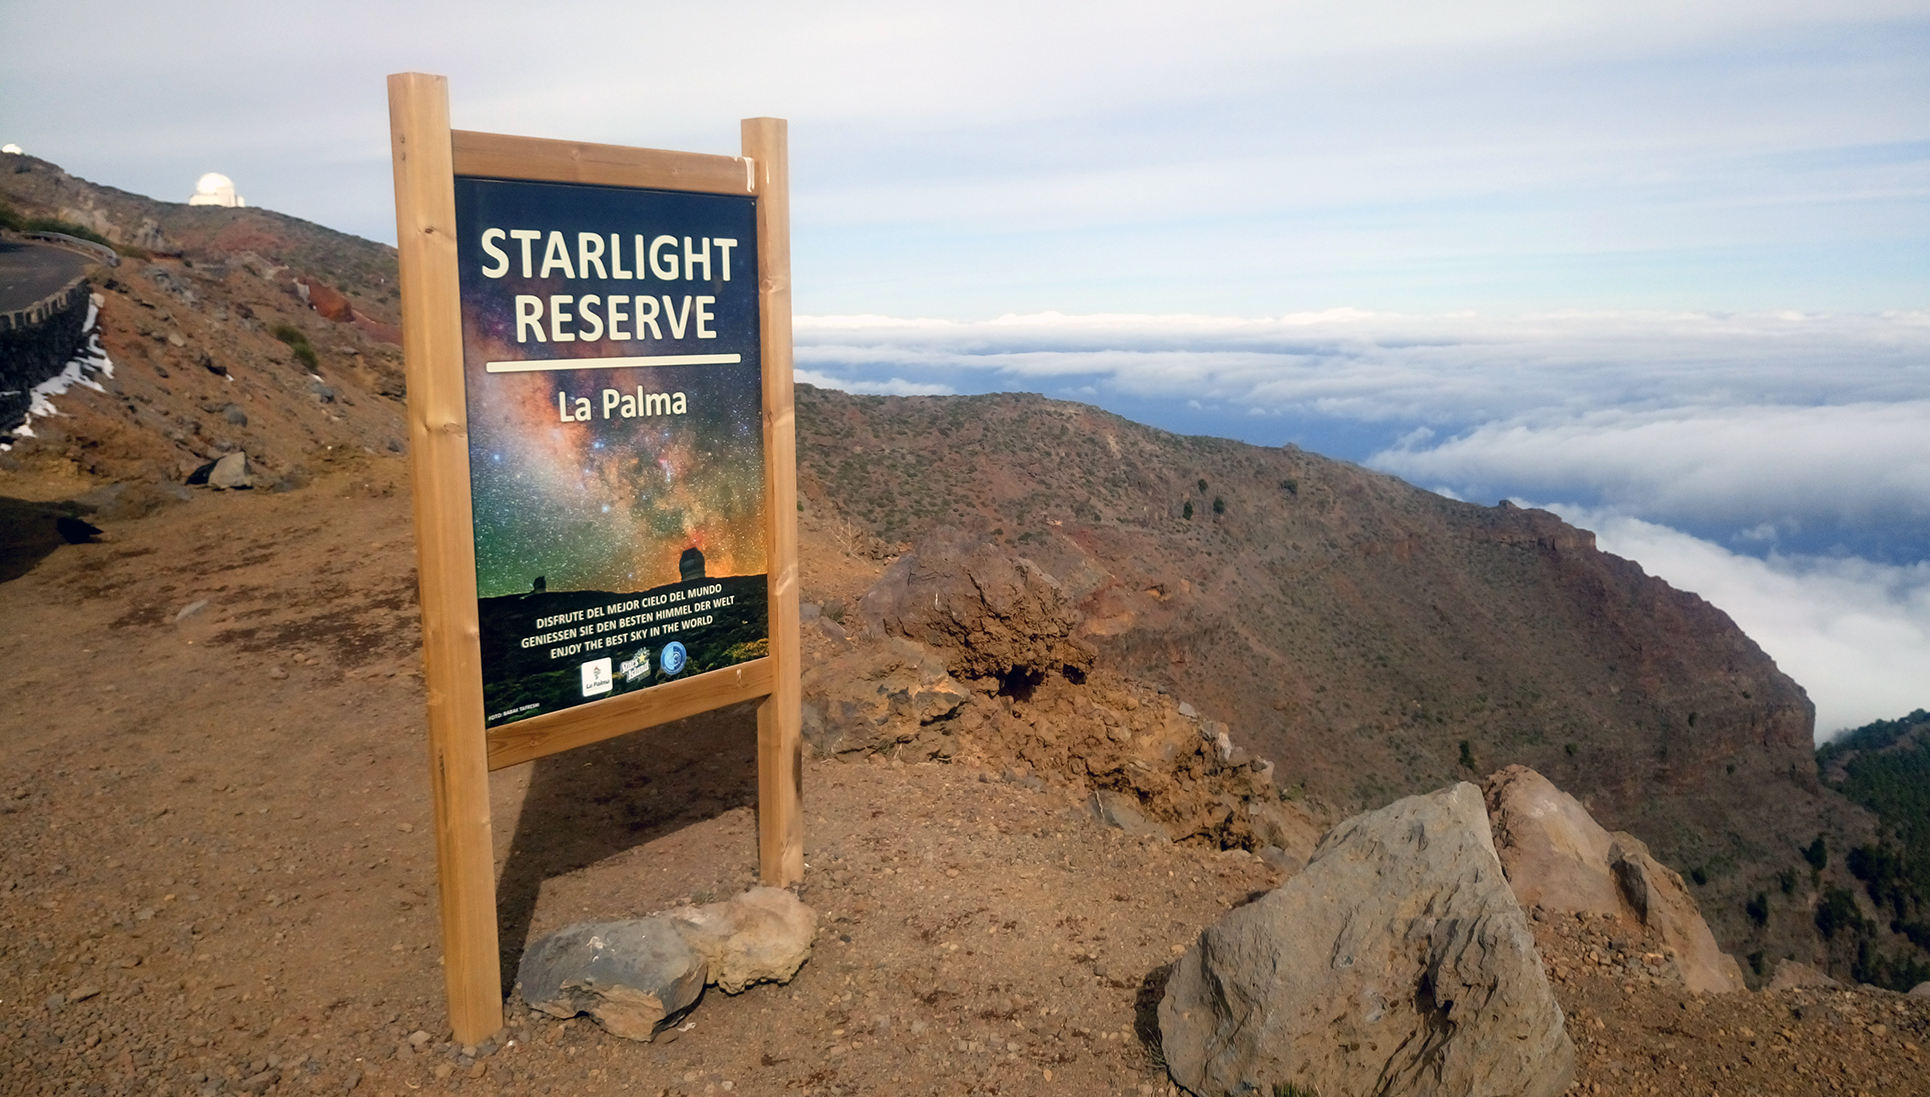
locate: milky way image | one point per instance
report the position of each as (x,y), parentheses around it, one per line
(610,501)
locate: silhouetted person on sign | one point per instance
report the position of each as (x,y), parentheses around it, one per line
(539,586)
(691,565)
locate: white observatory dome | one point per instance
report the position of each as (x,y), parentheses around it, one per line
(215,189)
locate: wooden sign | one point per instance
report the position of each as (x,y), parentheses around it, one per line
(598,348)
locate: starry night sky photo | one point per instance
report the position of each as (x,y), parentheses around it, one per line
(612,503)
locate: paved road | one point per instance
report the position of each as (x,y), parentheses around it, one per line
(29,272)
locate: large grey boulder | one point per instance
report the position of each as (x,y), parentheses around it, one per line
(628,975)
(1397,962)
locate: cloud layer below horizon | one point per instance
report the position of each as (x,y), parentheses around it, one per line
(1778,464)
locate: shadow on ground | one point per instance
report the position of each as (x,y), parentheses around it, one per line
(594,802)
(30,532)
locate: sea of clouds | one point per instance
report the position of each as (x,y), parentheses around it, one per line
(1778,464)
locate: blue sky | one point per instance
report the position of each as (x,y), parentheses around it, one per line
(1663,266)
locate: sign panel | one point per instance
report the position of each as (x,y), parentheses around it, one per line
(614,389)
(598,347)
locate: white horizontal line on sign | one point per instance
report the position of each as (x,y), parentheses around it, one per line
(540,365)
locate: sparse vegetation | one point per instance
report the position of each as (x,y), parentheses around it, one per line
(1219,505)
(1817,854)
(1836,912)
(1187,510)
(298,343)
(65,228)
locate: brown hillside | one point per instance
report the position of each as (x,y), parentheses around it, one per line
(1359,630)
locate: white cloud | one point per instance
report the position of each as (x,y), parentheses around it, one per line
(1456,370)
(1855,634)
(1853,464)
(1232,154)
(895,386)
(1798,425)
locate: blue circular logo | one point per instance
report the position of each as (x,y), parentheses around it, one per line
(673,658)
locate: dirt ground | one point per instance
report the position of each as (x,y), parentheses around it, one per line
(219,875)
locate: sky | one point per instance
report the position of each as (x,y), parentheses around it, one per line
(1663,268)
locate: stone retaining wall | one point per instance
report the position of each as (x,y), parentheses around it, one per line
(36,342)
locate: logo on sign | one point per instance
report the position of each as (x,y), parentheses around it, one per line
(674,657)
(636,666)
(596,677)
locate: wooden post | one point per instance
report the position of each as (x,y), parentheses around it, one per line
(425,209)
(780,742)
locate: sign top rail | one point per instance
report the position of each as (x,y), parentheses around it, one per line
(502,156)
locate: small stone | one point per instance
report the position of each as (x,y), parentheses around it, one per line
(406,828)
(419,1038)
(444,1070)
(81,994)
(231,472)
(277,673)
(55,1001)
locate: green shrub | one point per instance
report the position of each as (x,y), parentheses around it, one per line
(297,342)
(1817,854)
(1187,510)
(10,218)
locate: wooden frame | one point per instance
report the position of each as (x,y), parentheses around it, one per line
(428,155)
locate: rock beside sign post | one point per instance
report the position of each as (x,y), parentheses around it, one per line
(629,975)
(632,975)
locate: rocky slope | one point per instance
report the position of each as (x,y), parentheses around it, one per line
(1373,639)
